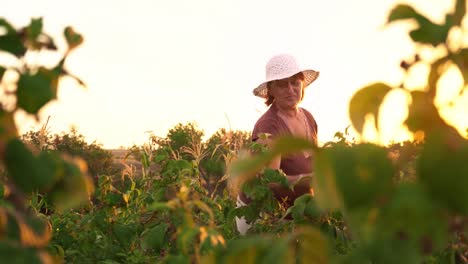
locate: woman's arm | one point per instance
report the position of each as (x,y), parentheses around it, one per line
(299,181)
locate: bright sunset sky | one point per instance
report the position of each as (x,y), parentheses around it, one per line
(149,65)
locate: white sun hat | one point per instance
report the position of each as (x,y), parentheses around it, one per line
(280,67)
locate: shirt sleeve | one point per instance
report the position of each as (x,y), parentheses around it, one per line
(268,126)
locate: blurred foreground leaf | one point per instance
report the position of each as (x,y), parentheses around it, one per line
(367,101)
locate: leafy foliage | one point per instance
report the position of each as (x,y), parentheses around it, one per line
(26,170)
(99,160)
(404,203)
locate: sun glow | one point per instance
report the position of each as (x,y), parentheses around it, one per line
(152,65)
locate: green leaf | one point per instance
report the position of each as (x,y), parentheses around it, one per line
(297,210)
(21,165)
(210,240)
(157,206)
(18,255)
(52,169)
(74,187)
(422,114)
(286,145)
(367,101)
(39,229)
(311,208)
(256,189)
(12,43)
(73,38)
(154,237)
(34,29)
(361,175)
(246,168)
(443,170)
(124,232)
(202,206)
(12,230)
(145,160)
(57,251)
(176,259)
(271,175)
(456,17)
(400,12)
(5,24)
(412,214)
(249,212)
(283,145)
(325,186)
(254,249)
(34,91)
(427,31)
(186,238)
(389,251)
(277,253)
(430,33)
(29,172)
(312,246)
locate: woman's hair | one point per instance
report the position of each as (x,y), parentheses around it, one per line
(270,98)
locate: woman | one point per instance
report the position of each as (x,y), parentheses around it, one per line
(283,91)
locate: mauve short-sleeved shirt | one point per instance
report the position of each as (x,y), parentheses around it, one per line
(295,164)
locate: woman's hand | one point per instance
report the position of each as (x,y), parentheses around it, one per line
(299,179)
(301,184)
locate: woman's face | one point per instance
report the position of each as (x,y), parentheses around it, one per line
(287,92)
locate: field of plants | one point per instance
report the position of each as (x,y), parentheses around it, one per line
(172,200)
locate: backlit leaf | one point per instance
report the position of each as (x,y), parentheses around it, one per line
(367,101)
(289,145)
(443,171)
(34,91)
(362,175)
(4,24)
(29,172)
(283,145)
(325,186)
(34,29)
(430,33)
(457,16)
(427,32)
(12,43)
(21,165)
(73,38)
(402,12)
(422,114)
(75,186)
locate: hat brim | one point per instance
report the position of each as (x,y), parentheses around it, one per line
(309,77)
